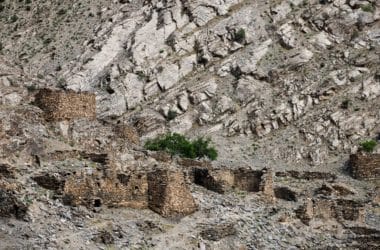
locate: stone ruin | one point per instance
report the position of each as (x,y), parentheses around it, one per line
(163,191)
(110,189)
(244,179)
(364,166)
(128,133)
(326,209)
(169,195)
(61,105)
(10,204)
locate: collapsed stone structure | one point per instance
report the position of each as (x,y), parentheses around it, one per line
(365,166)
(163,191)
(65,105)
(244,179)
(110,189)
(10,205)
(323,208)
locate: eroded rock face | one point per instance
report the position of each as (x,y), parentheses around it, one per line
(217,232)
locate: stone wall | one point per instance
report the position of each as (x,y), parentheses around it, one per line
(365,166)
(245,179)
(163,191)
(65,105)
(169,195)
(327,209)
(112,190)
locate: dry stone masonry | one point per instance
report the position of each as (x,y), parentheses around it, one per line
(60,105)
(365,166)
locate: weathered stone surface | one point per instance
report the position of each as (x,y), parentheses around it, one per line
(218,232)
(127,132)
(134,90)
(10,205)
(6,171)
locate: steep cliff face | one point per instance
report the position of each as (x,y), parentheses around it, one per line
(287,85)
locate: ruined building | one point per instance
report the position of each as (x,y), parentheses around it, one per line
(65,105)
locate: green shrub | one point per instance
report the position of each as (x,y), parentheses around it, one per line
(346,104)
(240,35)
(368,146)
(368,8)
(171,115)
(177,144)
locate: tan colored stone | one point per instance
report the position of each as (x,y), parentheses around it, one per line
(169,194)
(66,105)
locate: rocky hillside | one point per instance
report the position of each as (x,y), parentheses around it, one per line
(287,90)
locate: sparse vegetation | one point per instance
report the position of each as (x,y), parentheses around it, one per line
(346,104)
(368,146)
(171,115)
(177,144)
(240,36)
(368,8)
(13,19)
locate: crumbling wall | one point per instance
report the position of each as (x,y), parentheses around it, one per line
(202,177)
(169,194)
(242,179)
(364,166)
(65,105)
(307,175)
(123,190)
(247,180)
(128,133)
(10,206)
(340,210)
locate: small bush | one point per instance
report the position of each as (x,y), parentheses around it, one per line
(171,115)
(367,8)
(368,146)
(240,35)
(14,18)
(177,144)
(346,104)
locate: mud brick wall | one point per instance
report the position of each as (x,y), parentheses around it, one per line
(365,166)
(169,194)
(66,105)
